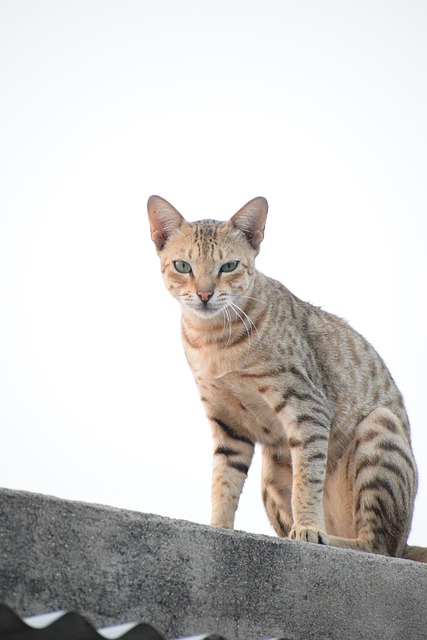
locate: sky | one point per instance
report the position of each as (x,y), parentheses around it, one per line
(318,106)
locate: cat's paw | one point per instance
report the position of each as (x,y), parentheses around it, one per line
(306,534)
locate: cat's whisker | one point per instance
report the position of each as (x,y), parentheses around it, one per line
(241,295)
(224,319)
(247,325)
(227,315)
(231,306)
(243,322)
(250,321)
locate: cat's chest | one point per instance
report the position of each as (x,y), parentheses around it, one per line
(239,399)
(232,383)
(214,362)
(209,367)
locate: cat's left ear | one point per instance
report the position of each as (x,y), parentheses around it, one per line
(164,220)
(251,220)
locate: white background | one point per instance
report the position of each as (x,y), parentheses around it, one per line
(319,106)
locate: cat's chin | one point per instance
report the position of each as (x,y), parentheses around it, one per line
(204,313)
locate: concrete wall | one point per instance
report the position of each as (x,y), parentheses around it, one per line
(115,566)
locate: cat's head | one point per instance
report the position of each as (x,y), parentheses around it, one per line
(207,265)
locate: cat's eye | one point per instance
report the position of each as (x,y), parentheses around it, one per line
(229,266)
(182,267)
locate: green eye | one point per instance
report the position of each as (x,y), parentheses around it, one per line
(229,266)
(182,267)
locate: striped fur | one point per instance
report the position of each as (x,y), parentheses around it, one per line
(271,369)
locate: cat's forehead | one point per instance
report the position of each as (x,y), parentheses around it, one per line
(208,230)
(206,236)
(206,239)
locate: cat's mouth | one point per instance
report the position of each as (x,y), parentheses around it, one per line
(208,310)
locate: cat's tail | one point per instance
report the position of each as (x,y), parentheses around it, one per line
(419,554)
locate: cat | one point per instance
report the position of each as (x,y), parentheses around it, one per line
(337,463)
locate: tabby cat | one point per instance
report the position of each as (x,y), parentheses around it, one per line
(337,464)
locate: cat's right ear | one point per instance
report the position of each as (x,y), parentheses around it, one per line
(164,220)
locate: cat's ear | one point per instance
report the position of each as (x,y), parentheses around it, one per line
(164,220)
(251,220)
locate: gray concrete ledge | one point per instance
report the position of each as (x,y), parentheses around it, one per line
(114,566)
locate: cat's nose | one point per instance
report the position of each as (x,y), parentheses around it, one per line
(205,296)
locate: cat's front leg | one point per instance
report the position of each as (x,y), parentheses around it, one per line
(309,449)
(233,452)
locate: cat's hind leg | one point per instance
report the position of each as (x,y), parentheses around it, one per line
(277,488)
(383,476)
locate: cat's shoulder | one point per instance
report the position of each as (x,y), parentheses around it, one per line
(305,314)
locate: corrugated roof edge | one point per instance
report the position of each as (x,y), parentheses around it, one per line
(63,625)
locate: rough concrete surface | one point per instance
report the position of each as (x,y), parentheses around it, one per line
(115,566)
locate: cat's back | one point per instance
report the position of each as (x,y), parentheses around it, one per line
(317,346)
